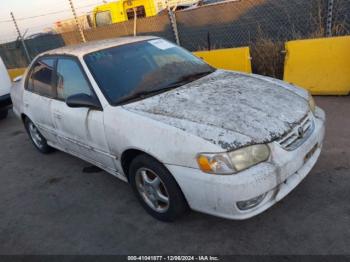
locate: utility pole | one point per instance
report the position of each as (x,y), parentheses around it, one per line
(21,38)
(173,23)
(329,18)
(77,22)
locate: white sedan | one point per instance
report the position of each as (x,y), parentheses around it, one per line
(5,87)
(182,133)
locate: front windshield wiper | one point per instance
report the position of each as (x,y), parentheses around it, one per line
(142,95)
(179,82)
(189,78)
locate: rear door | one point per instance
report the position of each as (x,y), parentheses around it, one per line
(38,94)
(80,130)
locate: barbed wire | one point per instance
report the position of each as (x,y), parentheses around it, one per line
(46,14)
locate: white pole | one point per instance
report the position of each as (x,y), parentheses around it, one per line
(135,20)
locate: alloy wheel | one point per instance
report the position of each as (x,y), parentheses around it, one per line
(35,135)
(152,190)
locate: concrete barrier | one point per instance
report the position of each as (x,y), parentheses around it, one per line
(237,59)
(320,65)
(16,72)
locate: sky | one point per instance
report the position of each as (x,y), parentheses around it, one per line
(23,10)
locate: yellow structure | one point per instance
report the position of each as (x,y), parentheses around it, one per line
(123,10)
(320,65)
(16,72)
(237,59)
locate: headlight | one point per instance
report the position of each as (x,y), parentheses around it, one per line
(312,104)
(232,162)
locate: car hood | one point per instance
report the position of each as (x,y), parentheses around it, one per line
(229,109)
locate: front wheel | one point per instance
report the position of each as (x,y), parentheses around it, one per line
(156,189)
(36,137)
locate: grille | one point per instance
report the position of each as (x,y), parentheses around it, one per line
(298,135)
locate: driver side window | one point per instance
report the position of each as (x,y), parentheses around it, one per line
(70,79)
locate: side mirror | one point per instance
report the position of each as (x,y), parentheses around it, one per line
(83,100)
(17,79)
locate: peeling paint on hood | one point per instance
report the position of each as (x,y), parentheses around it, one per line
(227,108)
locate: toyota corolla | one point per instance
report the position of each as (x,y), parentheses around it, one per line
(183,134)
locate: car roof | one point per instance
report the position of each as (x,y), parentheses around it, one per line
(92,46)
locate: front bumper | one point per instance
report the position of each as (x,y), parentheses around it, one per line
(5,102)
(218,194)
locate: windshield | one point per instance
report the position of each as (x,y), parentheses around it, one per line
(135,71)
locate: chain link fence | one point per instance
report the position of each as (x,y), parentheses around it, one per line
(243,22)
(156,25)
(341,17)
(13,53)
(264,25)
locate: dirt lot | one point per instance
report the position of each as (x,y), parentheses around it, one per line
(49,205)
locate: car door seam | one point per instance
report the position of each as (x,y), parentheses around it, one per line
(79,143)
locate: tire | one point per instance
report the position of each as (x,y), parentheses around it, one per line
(37,138)
(3,114)
(144,165)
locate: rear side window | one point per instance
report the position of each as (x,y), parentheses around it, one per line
(40,80)
(103,18)
(70,79)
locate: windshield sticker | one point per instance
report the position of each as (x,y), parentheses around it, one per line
(161,44)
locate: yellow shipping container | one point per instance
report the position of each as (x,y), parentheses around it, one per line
(320,65)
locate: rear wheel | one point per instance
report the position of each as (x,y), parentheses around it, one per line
(36,137)
(3,114)
(156,189)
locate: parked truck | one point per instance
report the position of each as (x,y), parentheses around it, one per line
(120,11)
(124,10)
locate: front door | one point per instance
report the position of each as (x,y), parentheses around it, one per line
(80,130)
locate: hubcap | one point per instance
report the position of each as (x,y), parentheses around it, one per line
(152,190)
(35,135)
